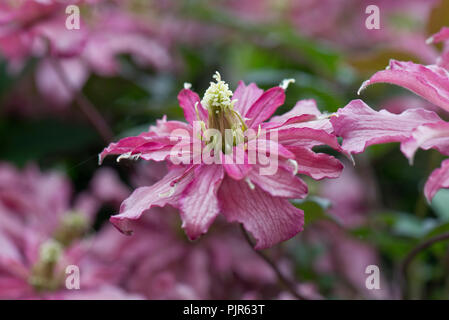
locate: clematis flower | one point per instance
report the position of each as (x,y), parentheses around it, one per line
(360,126)
(233,130)
(38,29)
(41,234)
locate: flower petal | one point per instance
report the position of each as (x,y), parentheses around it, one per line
(302,107)
(187,100)
(316,165)
(440,36)
(125,145)
(282,184)
(166,191)
(306,137)
(360,126)
(246,95)
(236,163)
(269,219)
(303,113)
(199,203)
(433,135)
(265,106)
(437,180)
(430,82)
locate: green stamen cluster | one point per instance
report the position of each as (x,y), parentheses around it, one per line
(221,113)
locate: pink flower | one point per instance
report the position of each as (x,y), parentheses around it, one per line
(39,29)
(234,186)
(360,126)
(41,234)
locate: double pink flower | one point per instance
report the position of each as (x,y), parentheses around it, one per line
(234,188)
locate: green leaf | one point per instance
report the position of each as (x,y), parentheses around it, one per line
(315,209)
(440,204)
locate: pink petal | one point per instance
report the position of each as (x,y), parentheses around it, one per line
(265,106)
(166,191)
(62,41)
(302,107)
(269,219)
(187,100)
(430,82)
(433,135)
(124,145)
(236,164)
(437,180)
(155,144)
(199,203)
(316,165)
(49,83)
(306,137)
(360,126)
(282,184)
(263,146)
(246,96)
(440,36)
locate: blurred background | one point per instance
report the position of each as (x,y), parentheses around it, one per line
(64,94)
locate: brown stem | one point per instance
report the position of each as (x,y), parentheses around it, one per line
(85,106)
(287,284)
(413,253)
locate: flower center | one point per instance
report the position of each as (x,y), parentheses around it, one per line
(222,116)
(42,276)
(73,226)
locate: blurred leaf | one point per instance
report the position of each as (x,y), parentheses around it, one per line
(439,229)
(440,204)
(403,224)
(315,209)
(31,141)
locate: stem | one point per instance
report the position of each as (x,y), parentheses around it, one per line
(413,253)
(85,105)
(287,284)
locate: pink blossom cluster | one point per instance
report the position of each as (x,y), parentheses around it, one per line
(31,28)
(44,229)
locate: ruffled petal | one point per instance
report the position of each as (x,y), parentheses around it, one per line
(246,95)
(433,135)
(269,219)
(316,165)
(300,115)
(166,191)
(360,126)
(199,202)
(440,36)
(430,82)
(301,108)
(187,100)
(306,137)
(437,180)
(125,145)
(155,144)
(283,183)
(265,106)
